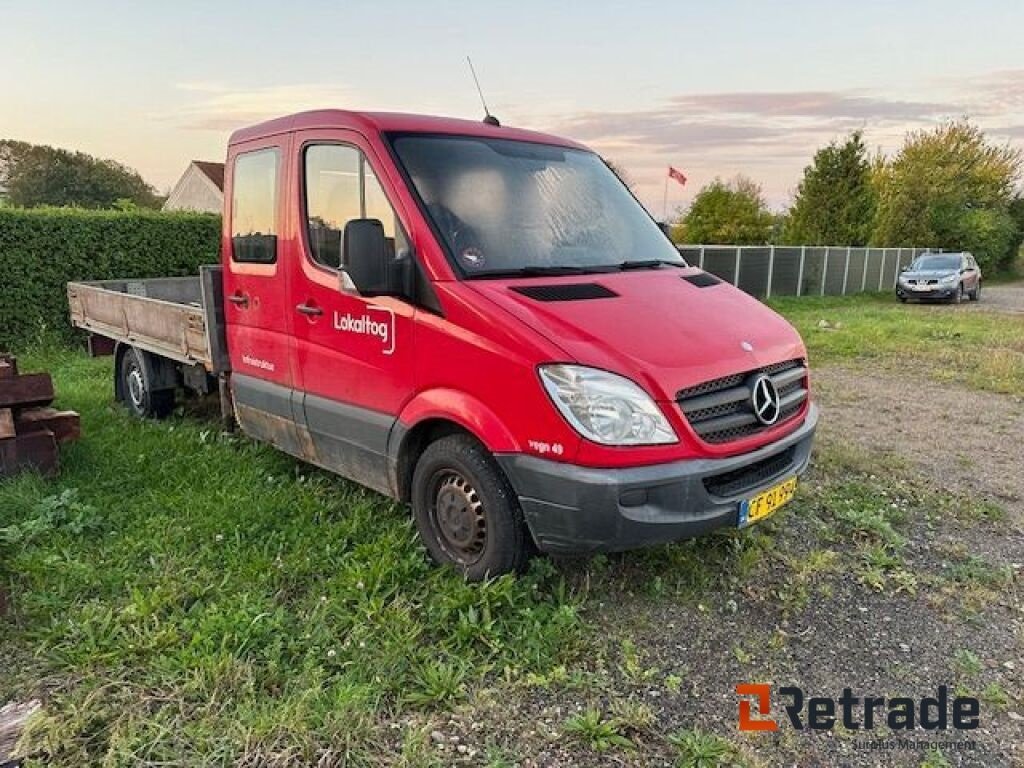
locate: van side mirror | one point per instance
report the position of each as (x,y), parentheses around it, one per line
(364,256)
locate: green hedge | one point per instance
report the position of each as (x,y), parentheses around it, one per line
(42,249)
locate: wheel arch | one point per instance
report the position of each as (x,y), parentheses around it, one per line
(436,414)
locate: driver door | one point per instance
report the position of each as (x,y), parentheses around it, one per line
(354,360)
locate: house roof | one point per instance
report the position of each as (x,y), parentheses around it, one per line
(213,171)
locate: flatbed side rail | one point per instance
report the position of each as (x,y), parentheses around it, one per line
(164,316)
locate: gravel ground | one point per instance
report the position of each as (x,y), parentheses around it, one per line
(1007,297)
(822,627)
(961,439)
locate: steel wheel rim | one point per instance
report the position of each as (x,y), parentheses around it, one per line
(136,387)
(457,516)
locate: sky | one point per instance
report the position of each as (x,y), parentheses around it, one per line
(714,89)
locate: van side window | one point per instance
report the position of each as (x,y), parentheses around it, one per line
(341,186)
(254,207)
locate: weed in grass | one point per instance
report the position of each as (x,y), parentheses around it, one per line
(417,750)
(497,757)
(865,520)
(934,758)
(698,749)
(967,663)
(996,697)
(437,682)
(599,733)
(742,656)
(673,683)
(632,663)
(804,572)
(632,715)
(879,567)
(977,571)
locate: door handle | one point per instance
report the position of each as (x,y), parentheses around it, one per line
(239,300)
(309,310)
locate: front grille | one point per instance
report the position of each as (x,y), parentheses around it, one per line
(721,411)
(751,476)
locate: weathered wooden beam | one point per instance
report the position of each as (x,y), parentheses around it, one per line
(27,390)
(8,367)
(6,423)
(13,718)
(36,450)
(66,426)
(100,346)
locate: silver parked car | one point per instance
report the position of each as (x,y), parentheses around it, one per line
(940,276)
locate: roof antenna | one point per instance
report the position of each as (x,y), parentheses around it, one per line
(488,117)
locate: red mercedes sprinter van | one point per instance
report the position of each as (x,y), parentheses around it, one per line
(483,322)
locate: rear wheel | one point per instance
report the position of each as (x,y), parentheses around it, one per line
(137,388)
(466,511)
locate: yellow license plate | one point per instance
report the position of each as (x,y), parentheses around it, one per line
(765,503)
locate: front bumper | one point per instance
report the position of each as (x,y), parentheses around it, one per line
(583,509)
(936,292)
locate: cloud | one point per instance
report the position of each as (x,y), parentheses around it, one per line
(772,135)
(994,93)
(216,106)
(811,104)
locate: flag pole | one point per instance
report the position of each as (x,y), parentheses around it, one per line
(664,201)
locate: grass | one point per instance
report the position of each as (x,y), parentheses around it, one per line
(984,349)
(190,597)
(196,597)
(599,733)
(698,749)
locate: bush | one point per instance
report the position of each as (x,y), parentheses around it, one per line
(43,249)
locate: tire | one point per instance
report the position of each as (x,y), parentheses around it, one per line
(958,297)
(137,389)
(903,299)
(976,293)
(467,514)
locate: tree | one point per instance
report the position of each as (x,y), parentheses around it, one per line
(727,212)
(37,175)
(835,201)
(950,188)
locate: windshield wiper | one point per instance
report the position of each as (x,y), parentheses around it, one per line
(649,264)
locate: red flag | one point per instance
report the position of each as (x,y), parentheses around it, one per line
(677,175)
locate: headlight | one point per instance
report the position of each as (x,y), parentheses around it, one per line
(606,408)
(950,278)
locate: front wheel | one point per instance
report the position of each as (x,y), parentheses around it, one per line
(958,297)
(976,293)
(466,511)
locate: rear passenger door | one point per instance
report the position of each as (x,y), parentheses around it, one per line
(257,316)
(354,358)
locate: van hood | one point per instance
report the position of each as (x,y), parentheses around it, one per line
(657,327)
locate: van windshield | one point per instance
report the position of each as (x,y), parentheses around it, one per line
(513,207)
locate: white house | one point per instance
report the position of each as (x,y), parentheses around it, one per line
(200,188)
